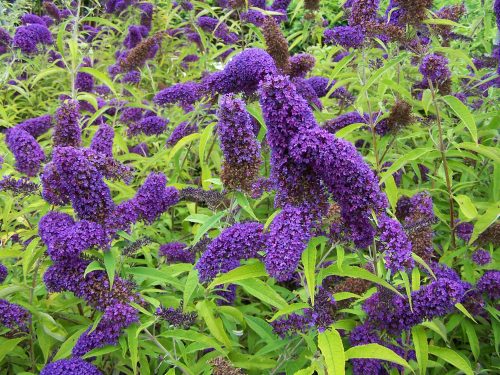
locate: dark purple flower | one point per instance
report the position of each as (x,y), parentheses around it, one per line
(89,195)
(363,12)
(28,37)
(334,125)
(240,241)
(394,242)
(21,186)
(253,16)
(36,126)
(188,59)
(301,64)
(290,325)
(238,143)
(103,140)
(72,366)
(29,18)
(489,284)
(435,68)
(108,330)
(67,130)
(288,236)
(218,28)
(242,74)
(182,130)
(177,252)
(185,94)
(28,153)
(152,125)
(464,231)
(84,82)
(140,149)
(135,35)
(147,10)
(177,317)
(345,36)
(3,273)
(13,316)
(481,257)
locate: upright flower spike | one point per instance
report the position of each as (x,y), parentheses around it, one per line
(435,68)
(102,141)
(286,113)
(276,44)
(177,252)
(288,236)
(107,332)
(239,145)
(395,243)
(71,366)
(28,153)
(27,38)
(36,126)
(89,195)
(301,64)
(67,130)
(240,241)
(135,35)
(363,12)
(242,74)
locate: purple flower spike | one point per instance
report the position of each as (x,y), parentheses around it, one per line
(67,130)
(72,366)
(152,125)
(102,141)
(28,37)
(28,153)
(345,36)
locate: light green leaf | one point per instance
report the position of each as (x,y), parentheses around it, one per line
(6,346)
(243,202)
(204,138)
(466,206)
(462,308)
(206,310)
(190,286)
(342,133)
(93,266)
(484,221)
(263,292)
(247,271)
(421,348)
(391,190)
(452,358)
(309,263)
(207,225)
(66,347)
(472,338)
(463,113)
(332,348)
(376,351)
(101,351)
(289,309)
(489,152)
(133,347)
(110,266)
(271,218)
(407,157)
(101,77)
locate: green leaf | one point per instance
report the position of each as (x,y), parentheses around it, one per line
(101,77)
(407,157)
(342,133)
(472,338)
(466,206)
(133,347)
(110,266)
(190,335)
(289,309)
(66,347)
(204,138)
(263,292)
(462,308)
(190,286)
(391,190)
(357,273)
(101,351)
(422,262)
(309,263)
(207,225)
(376,351)
(271,218)
(247,271)
(182,143)
(243,202)
(206,310)
(332,348)
(484,221)
(489,152)
(421,348)
(463,113)
(6,346)
(156,274)
(452,358)
(93,266)
(426,100)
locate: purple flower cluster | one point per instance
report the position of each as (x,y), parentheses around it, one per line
(435,68)
(13,316)
(238,143)
(21,186)
(489,284)
(242,74)
(345,36)
(136,33)
(36,126)
(72,366)
(28,153)
(177,252)
(464,231)
(3,273)
(5,40)
(185,94)
(288,236)
(140,149)
(102,141)
(107,332)
(301,64)
(151,125)
(334,125)
(240,241)
(67,130)
(394,242)
(28,37)
(218,28)
(481,257)
(177,317)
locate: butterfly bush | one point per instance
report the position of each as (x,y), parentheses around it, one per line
(233,186)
